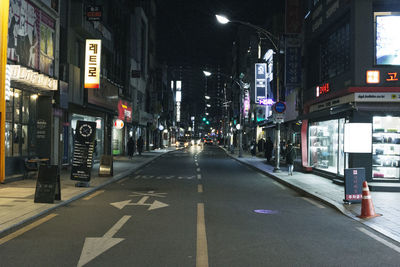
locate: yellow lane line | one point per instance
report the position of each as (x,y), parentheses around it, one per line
(27,228)
(200,188)
(201,244)
(94,194)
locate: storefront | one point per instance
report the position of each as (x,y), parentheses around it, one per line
(28,124)
(323,133)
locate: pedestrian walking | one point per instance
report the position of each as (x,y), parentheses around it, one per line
(269,146)
(131,147)
(290,157)
(253,148)
(140,145)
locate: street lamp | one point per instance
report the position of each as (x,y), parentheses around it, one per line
(224,20)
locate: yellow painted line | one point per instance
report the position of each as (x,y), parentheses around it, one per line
(201,244)
(200,188)
(94,194)
(27,228)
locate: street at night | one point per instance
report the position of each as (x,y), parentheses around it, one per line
(155,217)
(199,133)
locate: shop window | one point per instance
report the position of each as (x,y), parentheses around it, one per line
(17,127)
(326,146)
(386,148)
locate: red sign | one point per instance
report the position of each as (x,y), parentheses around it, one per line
(393,76)
(124,111)
(323,89)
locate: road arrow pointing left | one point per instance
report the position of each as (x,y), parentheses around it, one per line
(94,246)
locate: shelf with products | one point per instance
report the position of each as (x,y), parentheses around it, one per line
(385,172)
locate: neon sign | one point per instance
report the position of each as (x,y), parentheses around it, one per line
(266,101)
(323,89)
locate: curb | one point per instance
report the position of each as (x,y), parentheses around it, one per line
(89,191)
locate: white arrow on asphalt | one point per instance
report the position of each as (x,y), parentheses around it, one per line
(94,246)
(155,205)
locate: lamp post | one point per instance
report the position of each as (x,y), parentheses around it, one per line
(224,20)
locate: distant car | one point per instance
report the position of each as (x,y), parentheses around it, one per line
(182,143)
(208,141)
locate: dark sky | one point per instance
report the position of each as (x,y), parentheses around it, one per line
(189,33)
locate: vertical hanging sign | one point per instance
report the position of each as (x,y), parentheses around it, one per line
(261,81)
(92,63)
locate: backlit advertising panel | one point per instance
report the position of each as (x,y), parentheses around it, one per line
(387,42)
(92,63)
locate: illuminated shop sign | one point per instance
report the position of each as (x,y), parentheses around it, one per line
(119,124)
(374,76)
(322,89)
(178,99)
(261,80)
(92,63)
(266,101)
(32,78)
(124,111)
(246,104)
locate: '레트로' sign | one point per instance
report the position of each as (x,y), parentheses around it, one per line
(92,63)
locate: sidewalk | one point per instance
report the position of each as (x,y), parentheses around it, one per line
(323,189)
(17,198)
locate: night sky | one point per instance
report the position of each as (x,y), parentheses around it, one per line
(189,33)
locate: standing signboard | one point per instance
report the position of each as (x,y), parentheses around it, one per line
(353,179)
(48,186)
(85,134)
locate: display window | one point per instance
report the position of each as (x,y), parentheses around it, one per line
(326,146)
(19,124)
(386,148)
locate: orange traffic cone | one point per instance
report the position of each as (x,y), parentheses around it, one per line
(367,208)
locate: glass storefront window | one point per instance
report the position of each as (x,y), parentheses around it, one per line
(19,123)
(386,148)
(325,143)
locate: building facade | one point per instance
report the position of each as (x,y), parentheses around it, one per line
(351,77)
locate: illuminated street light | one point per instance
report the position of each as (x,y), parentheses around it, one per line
(207,97)
(208,105)
(207,73)
(224,20)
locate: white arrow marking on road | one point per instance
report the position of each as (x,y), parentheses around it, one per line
(155,205)
(94,246)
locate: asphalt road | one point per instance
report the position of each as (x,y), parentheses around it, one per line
(196,207)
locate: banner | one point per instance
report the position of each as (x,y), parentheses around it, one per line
(31,34)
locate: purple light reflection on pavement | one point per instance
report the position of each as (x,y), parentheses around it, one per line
(266,211)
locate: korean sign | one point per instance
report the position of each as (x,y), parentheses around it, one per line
(354,178)
(261,80)
(92,63)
